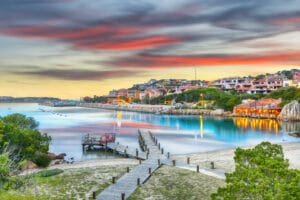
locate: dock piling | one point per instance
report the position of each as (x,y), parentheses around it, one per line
(174,162)
(212,165)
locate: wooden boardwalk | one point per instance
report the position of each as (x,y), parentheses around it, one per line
(128,183)
(153,156)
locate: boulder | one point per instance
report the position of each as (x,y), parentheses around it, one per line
(51,155)
(61,156)
(294,134)
(56,162)
(290,112)
(217,112)
(29,165)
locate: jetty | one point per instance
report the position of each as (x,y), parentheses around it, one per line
(150,158)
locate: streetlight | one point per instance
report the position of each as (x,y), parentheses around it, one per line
(201,96)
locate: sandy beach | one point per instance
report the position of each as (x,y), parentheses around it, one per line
(223,159)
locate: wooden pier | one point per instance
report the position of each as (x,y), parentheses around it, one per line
(154,156)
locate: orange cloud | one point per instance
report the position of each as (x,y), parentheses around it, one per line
(288,20)
(159,61)
(137,43)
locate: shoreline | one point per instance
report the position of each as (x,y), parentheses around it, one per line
(169,110)
(223,159)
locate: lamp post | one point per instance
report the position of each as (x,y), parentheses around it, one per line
(201,96)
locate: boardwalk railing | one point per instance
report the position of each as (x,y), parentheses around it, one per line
(153,156)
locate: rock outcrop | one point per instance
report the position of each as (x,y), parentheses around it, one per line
(290,112)
(294,134)
(29,165)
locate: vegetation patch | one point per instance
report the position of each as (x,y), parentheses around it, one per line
(171,183)
(70,184)
(50,172)
(261,173)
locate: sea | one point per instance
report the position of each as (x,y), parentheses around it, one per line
(176,134)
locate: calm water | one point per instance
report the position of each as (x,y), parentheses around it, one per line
(177,134)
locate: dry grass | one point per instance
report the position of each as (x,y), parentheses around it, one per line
(78,183)
(177,184)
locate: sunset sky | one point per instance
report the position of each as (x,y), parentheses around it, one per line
(74,48)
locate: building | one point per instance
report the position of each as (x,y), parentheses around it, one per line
(132,93)
(266,85)
(262,108)
(233,83)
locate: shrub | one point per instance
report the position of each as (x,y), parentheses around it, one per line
(41,159)
(50,172)
(260,173)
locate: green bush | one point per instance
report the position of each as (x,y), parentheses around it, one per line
(50,172)
(260,173)
(19,134)
(41,159)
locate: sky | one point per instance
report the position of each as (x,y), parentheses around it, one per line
(75,48)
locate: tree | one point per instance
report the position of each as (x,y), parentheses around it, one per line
(20,121)
(19,132)
(261,173)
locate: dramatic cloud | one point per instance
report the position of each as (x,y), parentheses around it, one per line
(79,74)
(158,61)
(115,34)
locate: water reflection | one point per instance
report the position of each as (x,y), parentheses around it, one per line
(201,126)
(290,126)
(265,125)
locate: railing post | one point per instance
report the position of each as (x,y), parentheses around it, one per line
(127,169)
(198,168)
(138,181)
(94,195)
(158,162)
(123,196)
(212,165)
(113,180)
(174,162)
(149,170)
(162,150)
(188,160)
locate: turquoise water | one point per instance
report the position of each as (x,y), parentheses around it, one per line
(177,134)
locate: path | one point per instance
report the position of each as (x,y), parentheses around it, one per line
(128,183)
(154,158)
